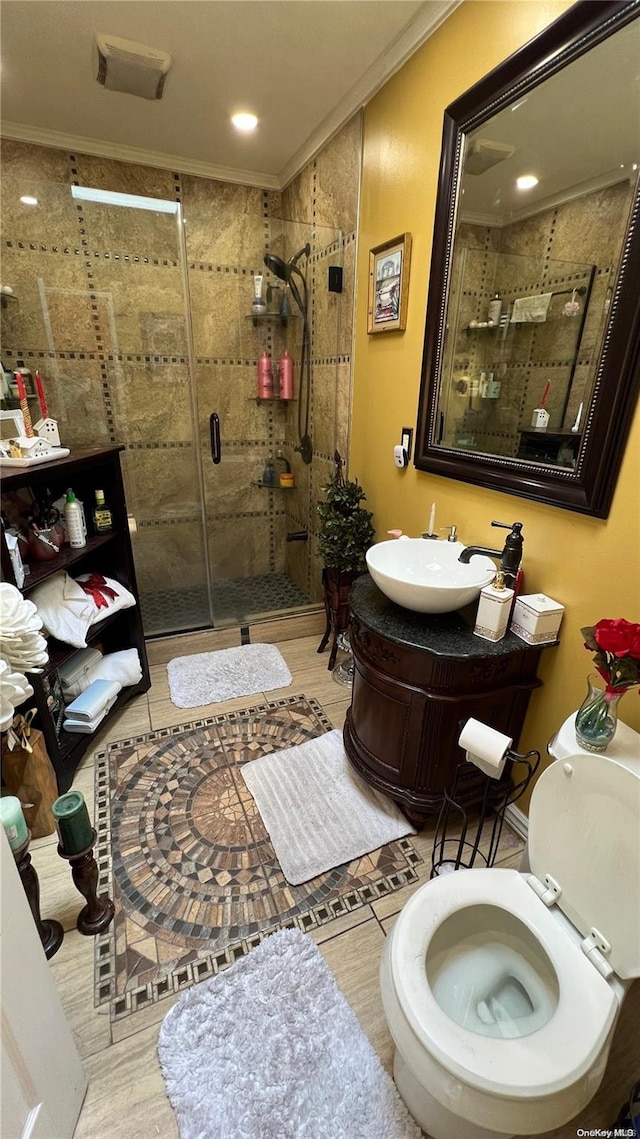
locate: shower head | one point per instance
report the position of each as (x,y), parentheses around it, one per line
(277,266)
(283,269)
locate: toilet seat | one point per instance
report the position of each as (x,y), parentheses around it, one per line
(539,1064)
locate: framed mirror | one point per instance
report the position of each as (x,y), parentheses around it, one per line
(531,362)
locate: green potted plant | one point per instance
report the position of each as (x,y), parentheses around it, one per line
(345,535)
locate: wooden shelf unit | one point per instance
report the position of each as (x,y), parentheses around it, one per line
(86,469)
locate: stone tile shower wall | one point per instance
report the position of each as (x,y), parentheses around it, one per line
(579,237)
(326,192)
(111,343)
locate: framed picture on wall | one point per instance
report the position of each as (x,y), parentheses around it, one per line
(389,266)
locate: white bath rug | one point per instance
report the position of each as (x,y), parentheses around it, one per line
(317,810)
(270,1049)
(207,678)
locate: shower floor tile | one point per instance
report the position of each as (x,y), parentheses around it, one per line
(234,600)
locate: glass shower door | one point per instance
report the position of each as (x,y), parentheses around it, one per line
(148,381)
(259,535)
(103,314)
(141,327)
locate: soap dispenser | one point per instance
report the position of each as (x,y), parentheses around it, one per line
(494,610)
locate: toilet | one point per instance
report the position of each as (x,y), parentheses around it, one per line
(502,989)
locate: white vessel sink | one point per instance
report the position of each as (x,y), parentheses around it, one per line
(426,576)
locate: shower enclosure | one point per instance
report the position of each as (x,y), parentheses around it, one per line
(144,338)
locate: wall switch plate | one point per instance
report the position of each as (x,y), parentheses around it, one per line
(407,439)
(335,278)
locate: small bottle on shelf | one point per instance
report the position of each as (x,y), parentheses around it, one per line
(102,516)
(76,533)
(268,474)
(494,308)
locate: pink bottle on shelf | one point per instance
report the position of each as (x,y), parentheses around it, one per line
(286,376)
(265,376)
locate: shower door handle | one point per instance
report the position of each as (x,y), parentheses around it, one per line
(214,435)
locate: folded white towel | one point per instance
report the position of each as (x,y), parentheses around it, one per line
(123,666)
(531,308)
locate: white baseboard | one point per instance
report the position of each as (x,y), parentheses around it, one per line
(517,820)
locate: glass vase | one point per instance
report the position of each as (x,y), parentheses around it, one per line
(597,717)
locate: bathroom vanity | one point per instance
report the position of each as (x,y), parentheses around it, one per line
(418,677)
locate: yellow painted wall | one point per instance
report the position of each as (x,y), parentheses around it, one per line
(591,565)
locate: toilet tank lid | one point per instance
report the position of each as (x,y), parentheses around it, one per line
(584,832)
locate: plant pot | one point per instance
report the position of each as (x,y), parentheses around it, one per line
(337,585)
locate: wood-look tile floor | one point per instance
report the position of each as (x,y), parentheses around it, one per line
(126,1097)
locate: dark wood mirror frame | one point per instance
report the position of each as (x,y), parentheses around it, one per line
(588,488)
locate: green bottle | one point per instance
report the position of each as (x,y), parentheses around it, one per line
(102,516)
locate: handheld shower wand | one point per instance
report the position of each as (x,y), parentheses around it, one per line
(285,271)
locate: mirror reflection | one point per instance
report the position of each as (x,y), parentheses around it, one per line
(543,206)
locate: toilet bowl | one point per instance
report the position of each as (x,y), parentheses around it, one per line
(501,989)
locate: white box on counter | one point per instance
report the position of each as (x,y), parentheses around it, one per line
(536,619)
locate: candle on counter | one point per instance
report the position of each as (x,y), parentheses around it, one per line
(42,399)
(432,519)
(73,823)
(13,821)
(24,405)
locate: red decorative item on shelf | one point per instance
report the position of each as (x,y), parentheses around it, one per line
(98,589)
(42,399)
(24,405)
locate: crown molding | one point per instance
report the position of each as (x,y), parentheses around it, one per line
(429,18)
(493,221)
(42,136)
(569,194)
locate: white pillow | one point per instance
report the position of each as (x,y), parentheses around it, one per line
(64,608)
(124,599)
(67,611)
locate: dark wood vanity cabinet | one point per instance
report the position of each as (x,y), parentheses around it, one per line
(418,677)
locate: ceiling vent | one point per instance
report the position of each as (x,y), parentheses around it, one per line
(483,154)
(122,65)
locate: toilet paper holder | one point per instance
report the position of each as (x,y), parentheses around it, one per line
(468,831)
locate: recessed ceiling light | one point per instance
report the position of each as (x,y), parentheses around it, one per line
(244,121)
(27,200)
(526,181)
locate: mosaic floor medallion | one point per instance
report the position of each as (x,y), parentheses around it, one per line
(184,854)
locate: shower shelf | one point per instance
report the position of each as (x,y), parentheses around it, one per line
(275,486)
(269,399)
(270,317)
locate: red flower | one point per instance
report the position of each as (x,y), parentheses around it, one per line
(621,638)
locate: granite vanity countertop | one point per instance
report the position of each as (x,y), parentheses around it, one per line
(443,634)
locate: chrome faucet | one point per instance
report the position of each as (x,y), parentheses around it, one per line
(510,555)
